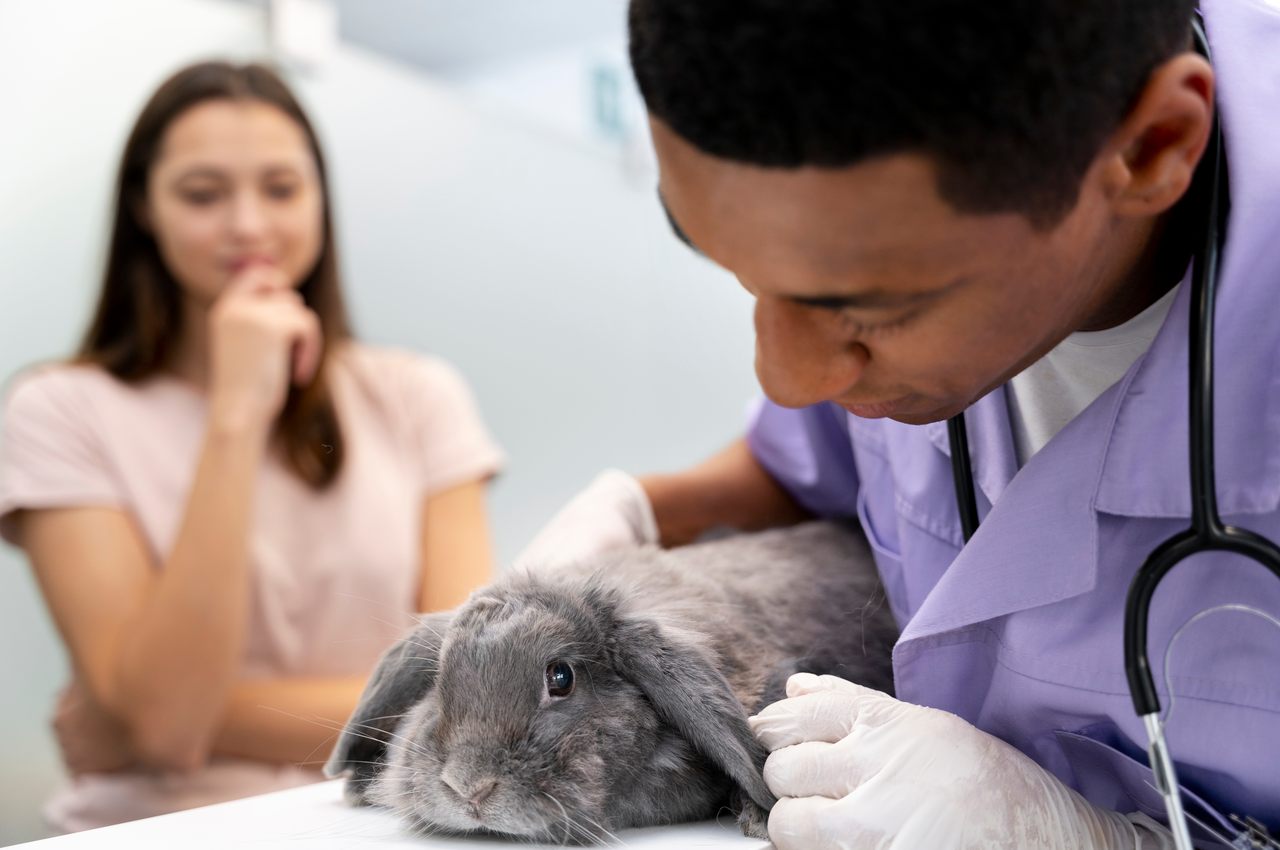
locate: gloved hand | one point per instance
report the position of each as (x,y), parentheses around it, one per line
(854,768)
(613,511)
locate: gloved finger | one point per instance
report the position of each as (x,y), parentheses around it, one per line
(824,717)
(814,769)
(807,683)
(896,823)
(808,823)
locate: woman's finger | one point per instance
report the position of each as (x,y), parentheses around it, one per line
(259,278)
(308,349)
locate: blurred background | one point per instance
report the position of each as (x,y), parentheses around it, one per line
(495,203)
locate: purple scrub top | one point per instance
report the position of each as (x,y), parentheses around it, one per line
(1021,631)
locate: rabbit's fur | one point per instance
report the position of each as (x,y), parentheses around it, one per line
(670,650)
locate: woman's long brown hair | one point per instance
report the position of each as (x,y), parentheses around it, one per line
(138,320)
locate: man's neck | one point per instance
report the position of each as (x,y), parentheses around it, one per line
(1165,249)
(1166,246)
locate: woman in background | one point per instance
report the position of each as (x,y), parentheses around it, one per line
(231,507)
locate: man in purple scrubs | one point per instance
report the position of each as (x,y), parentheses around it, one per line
(985,207)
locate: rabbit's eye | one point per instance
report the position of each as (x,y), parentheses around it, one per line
(559,679)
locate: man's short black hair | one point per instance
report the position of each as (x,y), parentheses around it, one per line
(1013,98)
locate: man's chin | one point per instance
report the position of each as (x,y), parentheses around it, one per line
(913,419)
(936,415)
(906,415)
(901,411)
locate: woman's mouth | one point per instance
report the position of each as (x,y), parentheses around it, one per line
(238,264)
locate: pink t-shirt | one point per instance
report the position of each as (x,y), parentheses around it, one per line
(334,574)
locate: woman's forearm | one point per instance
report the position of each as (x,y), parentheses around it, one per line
(177,661)
(456,554)
(286,721)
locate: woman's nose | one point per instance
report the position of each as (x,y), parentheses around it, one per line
(248,215)
(798,361)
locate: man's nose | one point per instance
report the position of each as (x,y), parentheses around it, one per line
(798,361)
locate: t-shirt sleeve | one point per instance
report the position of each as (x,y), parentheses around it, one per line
(50,456)
(452,442)
(808,451)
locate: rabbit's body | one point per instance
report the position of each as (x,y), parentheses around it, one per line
(766,604)
(565,703)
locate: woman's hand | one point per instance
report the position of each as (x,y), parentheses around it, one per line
(91,740)
(262,337)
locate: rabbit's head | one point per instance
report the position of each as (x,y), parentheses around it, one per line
(547,711)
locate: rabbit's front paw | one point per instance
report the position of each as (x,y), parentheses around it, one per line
(753,819)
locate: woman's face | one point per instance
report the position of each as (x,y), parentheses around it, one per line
(234,184)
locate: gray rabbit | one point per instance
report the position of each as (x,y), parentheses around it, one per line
(558,705)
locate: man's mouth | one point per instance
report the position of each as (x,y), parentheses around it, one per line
(875,410)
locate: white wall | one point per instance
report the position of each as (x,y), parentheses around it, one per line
(547,275)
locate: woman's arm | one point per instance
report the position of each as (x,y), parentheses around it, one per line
(284,721)
(296,721)
(280,721)
(157,649)
(287,721)
(160,650)
(456,553)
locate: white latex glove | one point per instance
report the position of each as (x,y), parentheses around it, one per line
(613,511)
(856,769)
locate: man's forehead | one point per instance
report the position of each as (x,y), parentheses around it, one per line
(879,228)
(864,199)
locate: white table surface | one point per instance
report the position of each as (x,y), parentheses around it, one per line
(315,816)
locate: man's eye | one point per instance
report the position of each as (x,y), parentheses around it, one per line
(559,679)
(676,229)
(859,329)
(849,322)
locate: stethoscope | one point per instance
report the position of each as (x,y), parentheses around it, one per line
(1207,532)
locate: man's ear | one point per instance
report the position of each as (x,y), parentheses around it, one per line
(679,677)
(1149,161)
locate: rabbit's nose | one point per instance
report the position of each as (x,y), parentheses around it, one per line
(481,791)
(474,791)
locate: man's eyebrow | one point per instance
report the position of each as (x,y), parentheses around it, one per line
(872,298)
(675,226)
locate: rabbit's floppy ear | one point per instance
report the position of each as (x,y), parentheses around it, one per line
(680,679)
(402,677)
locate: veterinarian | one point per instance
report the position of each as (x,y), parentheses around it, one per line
(989,208)
(231,506)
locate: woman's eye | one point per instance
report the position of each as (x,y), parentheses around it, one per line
(559,679)
(199,197)
(282,192)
